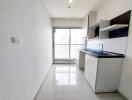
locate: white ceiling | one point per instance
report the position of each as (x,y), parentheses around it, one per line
(79,8)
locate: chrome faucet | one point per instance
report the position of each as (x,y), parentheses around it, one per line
(102,47)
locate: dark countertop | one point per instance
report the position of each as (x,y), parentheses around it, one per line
(100,54)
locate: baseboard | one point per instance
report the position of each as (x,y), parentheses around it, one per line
(35,97)
(123,96)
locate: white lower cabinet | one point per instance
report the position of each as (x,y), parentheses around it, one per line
(81,60)
(91,69)
(103,74)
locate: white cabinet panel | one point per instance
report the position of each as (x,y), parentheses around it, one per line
(109,72)
(81,60)
(91,69)
(103,74)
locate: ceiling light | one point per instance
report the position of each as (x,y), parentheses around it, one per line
(70,1)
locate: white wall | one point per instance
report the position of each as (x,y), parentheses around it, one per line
(67,23)
(111,45)
(112,9)
(23,66)
(85,24)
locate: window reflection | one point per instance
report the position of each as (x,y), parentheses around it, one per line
(66,76)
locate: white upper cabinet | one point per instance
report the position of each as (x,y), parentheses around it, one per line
(92,18)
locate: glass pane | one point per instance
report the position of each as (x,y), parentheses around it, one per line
(61,36)
(77,36)
(62,39)
(75,51)
(61,51)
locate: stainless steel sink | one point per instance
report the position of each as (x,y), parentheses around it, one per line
(101,53)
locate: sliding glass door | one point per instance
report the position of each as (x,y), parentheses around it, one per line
(61,44)
(67,43)
(76,43)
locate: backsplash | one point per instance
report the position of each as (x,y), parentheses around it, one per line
(117,45)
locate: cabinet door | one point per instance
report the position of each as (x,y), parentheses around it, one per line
(81,60)
(109,72)
(91,69)
(92,18)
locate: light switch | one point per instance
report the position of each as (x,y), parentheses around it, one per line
(15,40)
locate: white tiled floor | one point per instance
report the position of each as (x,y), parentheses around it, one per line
(67,82)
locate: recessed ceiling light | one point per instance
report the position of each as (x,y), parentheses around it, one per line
(70,2)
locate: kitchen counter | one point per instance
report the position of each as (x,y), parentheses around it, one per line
(102,70)
(100,54)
